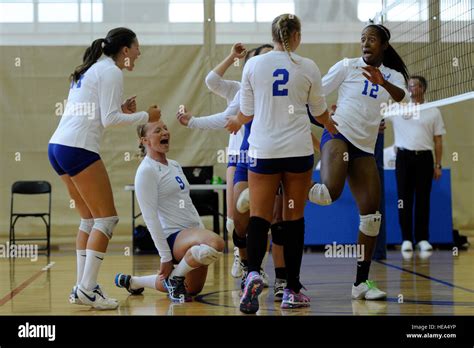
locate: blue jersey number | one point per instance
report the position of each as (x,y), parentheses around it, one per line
(180,182)
(373,90)
(78,83)
(280,82)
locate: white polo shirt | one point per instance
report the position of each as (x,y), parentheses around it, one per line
(416,132)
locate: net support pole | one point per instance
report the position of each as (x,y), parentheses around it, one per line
(209,40)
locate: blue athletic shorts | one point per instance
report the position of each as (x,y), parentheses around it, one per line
(171,239)
(232,160)
(241,173)
(279,165)
(354,152)
(70,160)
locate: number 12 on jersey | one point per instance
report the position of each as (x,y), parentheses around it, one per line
(373,90)
(281,81)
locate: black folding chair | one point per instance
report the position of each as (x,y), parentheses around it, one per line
(31,188)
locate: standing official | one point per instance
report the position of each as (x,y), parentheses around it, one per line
(416,136)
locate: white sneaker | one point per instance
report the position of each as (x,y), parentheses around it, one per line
(236,270)
(424,245)
(243,203)
(73,298)
(407,245)
(265,278)
(367,290)
(96,298)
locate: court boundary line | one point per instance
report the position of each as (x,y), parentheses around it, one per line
(24,284)
(425,276)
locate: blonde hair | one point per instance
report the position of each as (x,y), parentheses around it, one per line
(141,132)
(282,28)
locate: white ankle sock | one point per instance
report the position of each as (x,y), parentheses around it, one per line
(91,270)
(181,269)
(81,261)
(143,282)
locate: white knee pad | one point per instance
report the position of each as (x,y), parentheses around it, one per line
(86,225)
(106,225)
(205,254)
(230,225)
(319,194)
(370,224)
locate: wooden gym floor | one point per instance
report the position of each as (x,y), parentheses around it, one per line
(442,284)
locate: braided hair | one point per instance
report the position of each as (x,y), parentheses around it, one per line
(282,28)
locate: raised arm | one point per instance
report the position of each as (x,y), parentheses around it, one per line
(214,80)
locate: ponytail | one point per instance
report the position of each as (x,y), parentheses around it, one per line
(113,43)
(91,55)
(391,59)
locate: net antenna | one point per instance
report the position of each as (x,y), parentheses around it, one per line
(435,40)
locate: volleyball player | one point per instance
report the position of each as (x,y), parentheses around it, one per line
(94,103)
(364,84)
(275,90)
(226,88)
(174,223)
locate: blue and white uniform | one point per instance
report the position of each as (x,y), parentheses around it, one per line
(359,104)
(163,196)
(277,92)
(94,103)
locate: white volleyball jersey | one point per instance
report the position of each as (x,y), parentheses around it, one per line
(163,196)
(360,103)
(94,103)
(276,91)
(229,90)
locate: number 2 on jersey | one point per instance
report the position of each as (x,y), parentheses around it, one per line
(373,91)
(180,182)
(280,82)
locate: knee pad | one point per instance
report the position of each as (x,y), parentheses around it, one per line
(86,225)
(370,224)
(239,242)
(229,224)
(278,233)
(205,254)
(319,194)
(106,225)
